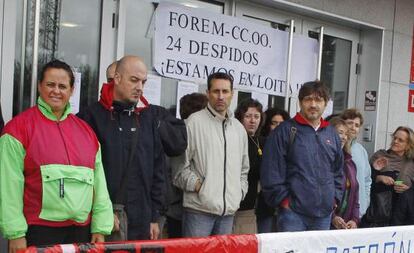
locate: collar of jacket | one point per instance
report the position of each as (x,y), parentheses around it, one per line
(107,98)
(217,115)
(46,110)
(301,120)
(347,156)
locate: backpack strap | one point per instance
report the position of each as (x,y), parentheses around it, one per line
(293,131)
(292,134)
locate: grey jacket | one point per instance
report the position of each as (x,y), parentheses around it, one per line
(217,155)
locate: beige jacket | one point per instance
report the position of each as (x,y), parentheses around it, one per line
(217,155)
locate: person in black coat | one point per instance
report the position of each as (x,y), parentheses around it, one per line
(189,104)
(391,193)
(249,113)
(132,152)
(266,215)
(173,132)
(1,121)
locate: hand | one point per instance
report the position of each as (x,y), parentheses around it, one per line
(17,244)
(400,188)
(380,163)
(197,186)
(351,224)
(154,231)
(385,180)
(339,223)
(97,238)
(116,223)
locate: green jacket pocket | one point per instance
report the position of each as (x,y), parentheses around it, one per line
(67,192)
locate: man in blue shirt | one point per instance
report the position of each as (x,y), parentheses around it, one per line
(302,165)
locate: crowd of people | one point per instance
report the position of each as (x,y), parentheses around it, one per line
(122,168)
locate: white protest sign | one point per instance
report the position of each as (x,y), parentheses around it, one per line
(304,62)
(304,67)
(380,240)
(190,44)
(183,89)
(152,89)
(233,104)
(262,98)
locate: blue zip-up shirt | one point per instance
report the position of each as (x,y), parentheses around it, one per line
(309,172)
(360,158)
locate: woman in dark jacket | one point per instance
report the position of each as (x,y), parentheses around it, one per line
(249,113)
(1,120)
(392,180)
(266,218)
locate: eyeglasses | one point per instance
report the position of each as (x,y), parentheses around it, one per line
(309,99)
(252,116)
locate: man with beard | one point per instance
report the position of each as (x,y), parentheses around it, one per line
(302,165)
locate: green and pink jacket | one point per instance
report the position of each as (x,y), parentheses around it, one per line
(51,174)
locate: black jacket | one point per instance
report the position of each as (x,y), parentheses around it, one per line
(307,173)
(255,159)
(143,195)
(173,132)
(403,208)
(1,120)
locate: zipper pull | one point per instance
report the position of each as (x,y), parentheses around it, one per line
(61,188)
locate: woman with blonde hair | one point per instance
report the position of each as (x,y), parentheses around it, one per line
(392,178)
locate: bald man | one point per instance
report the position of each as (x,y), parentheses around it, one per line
(110,71)
(172,131)
(131,151)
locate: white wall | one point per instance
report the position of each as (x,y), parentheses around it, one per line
(397,17)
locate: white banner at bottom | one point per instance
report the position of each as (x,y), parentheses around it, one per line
(370,240)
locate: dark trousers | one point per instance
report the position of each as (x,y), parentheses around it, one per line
(138,233)
(3,245)
(174,228)
(291,221)
(43,235)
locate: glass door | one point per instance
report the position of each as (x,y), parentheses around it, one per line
(68,30)
(339,61)
(339,52)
